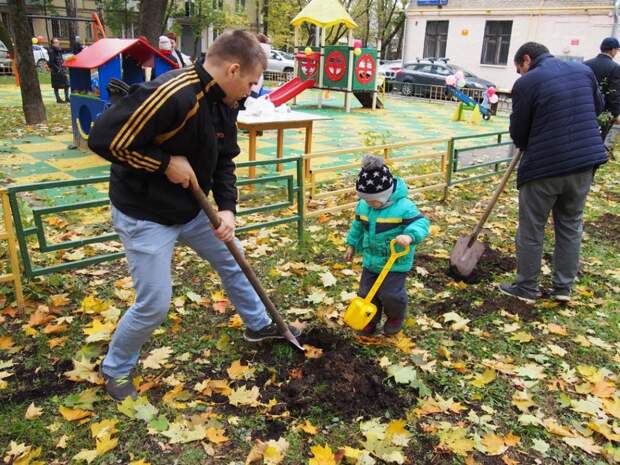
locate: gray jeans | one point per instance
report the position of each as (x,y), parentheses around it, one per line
(565,196)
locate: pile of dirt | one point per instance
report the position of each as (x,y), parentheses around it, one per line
(340,382)
(465,308)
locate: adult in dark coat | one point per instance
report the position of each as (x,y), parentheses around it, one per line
(607,73)
(554,122)
(58,71)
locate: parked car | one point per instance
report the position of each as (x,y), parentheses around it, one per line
(433,72)
(5,59)
(280,62)
(389,68)
(41,57)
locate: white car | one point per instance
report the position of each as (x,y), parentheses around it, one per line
(389,68)
(41,57)
(280,62)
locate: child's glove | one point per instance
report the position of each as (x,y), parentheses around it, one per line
(348,256)
(403,240)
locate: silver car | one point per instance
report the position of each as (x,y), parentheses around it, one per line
(280,62)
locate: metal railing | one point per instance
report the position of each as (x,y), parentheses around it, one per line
(8,235)
(30,220)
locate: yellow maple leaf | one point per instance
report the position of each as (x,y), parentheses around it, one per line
(492,444)
(603,389)
(554,427)
(585,444)
(216,435)
(556,329)
(403,343)
(99,331)
(312,352)
(62,442)
(139,462)
(482,379)
(92,304)
(105,443)
(103,427)
(522,336)
(308,427)
(70,414)
(157,358)
(7,344)
(275,451)
(83,370)
(57,341)
(522,400)
(86,455)
(323,455)
(256,453)
(604,430)
(33,412)
(59,300)
(239,371)
(243,396)
(209,386)
(456,440)
(612,407)
(175,397)
(55,328)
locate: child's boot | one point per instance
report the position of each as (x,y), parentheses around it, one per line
(393,325)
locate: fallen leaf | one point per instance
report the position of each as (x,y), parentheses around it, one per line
(33,412)
(308,427)
(312,352)
(243,396)
(585,444)
(482,379)
(322,455)
(157,358)
(238,371)
(74,414)
(217,435)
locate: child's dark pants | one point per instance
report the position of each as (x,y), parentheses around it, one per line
(391,297)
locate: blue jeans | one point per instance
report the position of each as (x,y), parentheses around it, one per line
(149,248)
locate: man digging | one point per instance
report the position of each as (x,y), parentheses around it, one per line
(165,138)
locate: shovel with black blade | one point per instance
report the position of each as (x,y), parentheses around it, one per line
(468,250)
(247,269)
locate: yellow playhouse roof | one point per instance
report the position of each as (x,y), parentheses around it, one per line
(324,13)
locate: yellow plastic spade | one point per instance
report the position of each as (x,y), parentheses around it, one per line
(361,311)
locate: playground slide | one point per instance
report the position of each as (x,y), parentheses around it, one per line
(365,99)
(289,90)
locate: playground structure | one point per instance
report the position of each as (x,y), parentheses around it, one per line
(111,59)
(480,110)
(345,68)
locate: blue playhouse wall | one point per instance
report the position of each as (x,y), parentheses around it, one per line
(85,109)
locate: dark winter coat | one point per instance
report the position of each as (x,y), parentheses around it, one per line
(57,69)
(554,110)
(607,73)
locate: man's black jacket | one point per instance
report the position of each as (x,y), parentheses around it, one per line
(179,113)
(607,73)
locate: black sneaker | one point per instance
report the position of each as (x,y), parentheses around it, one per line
(561,295)
(270,331)
(119,387)
(515,291)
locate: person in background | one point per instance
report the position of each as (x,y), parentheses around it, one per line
(266,46)
(607,72)
(176,53)
(77,46)
(58,71)
(165,47)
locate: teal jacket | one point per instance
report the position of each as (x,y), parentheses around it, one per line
(373,229)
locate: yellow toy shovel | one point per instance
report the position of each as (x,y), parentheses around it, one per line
(361,311)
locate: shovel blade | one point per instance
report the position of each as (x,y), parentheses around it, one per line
(463,258)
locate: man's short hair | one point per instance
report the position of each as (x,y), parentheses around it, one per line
(531,49)
(609,44)
(238,46)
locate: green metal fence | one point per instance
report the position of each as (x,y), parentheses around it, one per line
(492,149)
(25,229)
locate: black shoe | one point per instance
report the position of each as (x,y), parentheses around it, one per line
(515,291)
(561,295)
(59,100)
(270,331)
(119,387)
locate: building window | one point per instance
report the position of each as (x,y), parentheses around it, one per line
(496,42)
(240,5)
(436,39)
(218,4)
(60,28)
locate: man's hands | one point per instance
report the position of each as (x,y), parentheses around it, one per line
(226,231)
(179,171)
(403,240)
(348,256)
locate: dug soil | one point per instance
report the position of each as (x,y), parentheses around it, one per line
(607,227)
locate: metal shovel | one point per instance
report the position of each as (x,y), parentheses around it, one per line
(247,269)
(468,250)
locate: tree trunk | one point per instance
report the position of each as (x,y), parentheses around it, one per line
(266,17)
(32,102)
(151,21)
(71,13)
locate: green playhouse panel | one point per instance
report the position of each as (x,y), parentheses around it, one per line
(308,66)
(336,68)
(365,68)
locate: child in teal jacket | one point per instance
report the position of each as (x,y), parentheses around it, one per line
(384,213)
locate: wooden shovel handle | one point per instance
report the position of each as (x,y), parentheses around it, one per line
(215,220)
(500,188)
